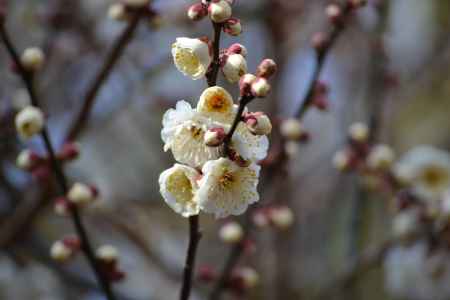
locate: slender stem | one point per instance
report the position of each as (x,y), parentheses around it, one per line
(59,174)
(103,73)
(243,101)
(211,77)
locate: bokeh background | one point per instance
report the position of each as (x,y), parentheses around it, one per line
(393,61)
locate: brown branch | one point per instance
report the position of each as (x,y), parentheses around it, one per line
(111,59)
(86,247)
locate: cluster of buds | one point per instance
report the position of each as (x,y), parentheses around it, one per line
(108,259)
(65,249)
(220,12)
(279,217)
(257,85)
(39,166)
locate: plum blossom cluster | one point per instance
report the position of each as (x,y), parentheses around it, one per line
(218,143)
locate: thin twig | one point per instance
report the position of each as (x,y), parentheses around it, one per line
(86,247)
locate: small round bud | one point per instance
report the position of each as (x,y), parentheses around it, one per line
(60,251)
(219,11)
(292,129)
(27,160)
(261,87)
(231,233)
(281,217)
(381,157)
(107,253)
(136,3)
(258,123)
(32,59)
(214,137)
(237,48)
(233,27)
(341,160)
(334,13)
(245,84)
(62,206)
(197,12)
(249,277)
(261,218)
(320,41)
(118,12)
(266,68)
(234,67)
(359,132)
(69,151)
(81,194)
(29,121)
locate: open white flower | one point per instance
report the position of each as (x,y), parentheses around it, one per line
(227,189)
(427,170)
(191,57)
(178,186)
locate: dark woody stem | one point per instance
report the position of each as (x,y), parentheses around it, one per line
(86,247)
(243,101)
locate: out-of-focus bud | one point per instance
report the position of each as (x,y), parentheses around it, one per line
(320,100)
(197,12)
(231,233)
(206,274)
(214,137)
(62,206)
(291,148)
(118,12)
(334,13)
(136,3)
(381,157)
(245,84)
(219,11)
(237,48)
(246,278)
(260,218)
(65,249)
(261,87)
(258,123)
(281,217)
(292,129)
(341,160)
(357,3)
(406,224)
(266,68)
(32,59)
(28,159)
(107,253)
(233,27)
(359,132)
(234,67)
(69,151)
(29,121)
(82,194)
(320,41)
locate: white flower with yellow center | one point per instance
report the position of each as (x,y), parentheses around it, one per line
(178,186)
(427,170)
(191,57)
(227,189)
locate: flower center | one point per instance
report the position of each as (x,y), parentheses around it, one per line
(187,61)
(435,177)
(217,102)
(196,132)
(227,179)
(180,187)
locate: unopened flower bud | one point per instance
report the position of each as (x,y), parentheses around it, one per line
(245,84)
(233,27)
(231,233)
(219,11)
(136,3)
(237,48)
(281,217)
(292,129)
(261,218)
(69,151)
(81,194)
(320,41)
(27,160)
(261,87)
(62,206)
(258,123)
(32,59)
(107,253)
(248,276)
(341,160)
(381,157)
(214,137)
(266,68)
(118,12)
(64,249)
(197,12)
(357,3)
(29,121)
(359,132)
(334,13)
(234,67)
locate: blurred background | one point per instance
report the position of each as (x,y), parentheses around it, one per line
(392,62)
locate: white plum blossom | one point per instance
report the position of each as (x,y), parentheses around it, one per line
(426,170)
(178,186)
(235,66)
(191,57)
(226,188)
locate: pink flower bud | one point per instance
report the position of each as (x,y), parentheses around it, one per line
(266,68)
(334,13)
(62,206)
(197,12)
(258,123)
(245,84)
(72,242)
(69,151)
(261,87)
(260,218)
(233,27)
(320,41)
(214,137)
(28,160)
(237,48)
